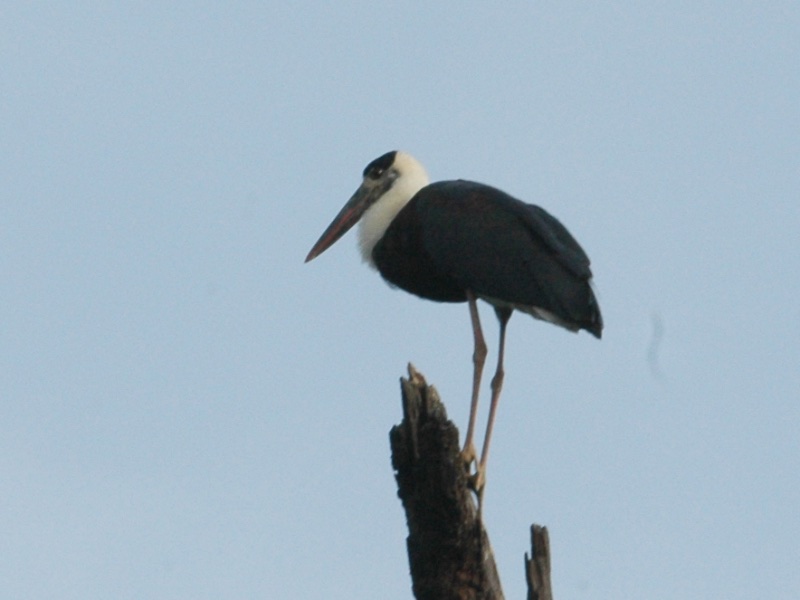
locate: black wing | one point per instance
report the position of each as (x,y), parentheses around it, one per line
(471,236)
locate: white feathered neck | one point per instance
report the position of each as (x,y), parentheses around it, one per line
(410,178)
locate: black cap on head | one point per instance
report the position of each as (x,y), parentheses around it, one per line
(377,167)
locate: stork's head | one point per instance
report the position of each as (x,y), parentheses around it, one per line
(390,181)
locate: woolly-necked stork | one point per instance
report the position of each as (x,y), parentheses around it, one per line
(457,241)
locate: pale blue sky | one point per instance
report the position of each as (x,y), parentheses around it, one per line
(189,411)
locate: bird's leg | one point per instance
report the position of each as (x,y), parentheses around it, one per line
(478,358)
(503,314)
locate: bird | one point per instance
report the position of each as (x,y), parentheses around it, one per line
(461,241)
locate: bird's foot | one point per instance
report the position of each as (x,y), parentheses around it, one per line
(470,457)
(477,481)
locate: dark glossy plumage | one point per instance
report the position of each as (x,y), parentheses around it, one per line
(455,236)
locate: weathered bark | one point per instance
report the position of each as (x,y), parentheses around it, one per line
(448,548)
(537,566)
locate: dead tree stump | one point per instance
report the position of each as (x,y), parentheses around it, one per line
(448,549)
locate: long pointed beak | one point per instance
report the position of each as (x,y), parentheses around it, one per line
(347,217)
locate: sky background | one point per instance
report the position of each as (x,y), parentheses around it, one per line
(189,411)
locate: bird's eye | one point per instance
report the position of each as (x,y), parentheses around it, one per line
(376,172)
